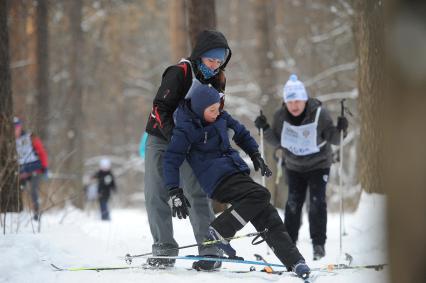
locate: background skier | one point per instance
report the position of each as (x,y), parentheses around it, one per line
(33,163)
(303,128)
(106,185)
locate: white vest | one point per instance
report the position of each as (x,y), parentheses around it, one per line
(301,140)
(25,149)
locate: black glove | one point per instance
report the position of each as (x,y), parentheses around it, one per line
(259,163)
(342,124)
(180,203)
(261,122)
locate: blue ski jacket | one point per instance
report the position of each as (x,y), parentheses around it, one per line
(207,149)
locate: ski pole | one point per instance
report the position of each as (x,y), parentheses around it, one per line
(279,171)
(128,258)
(262,153)
(342,113)
(262,149)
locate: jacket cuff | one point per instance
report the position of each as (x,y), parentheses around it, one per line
(255,154)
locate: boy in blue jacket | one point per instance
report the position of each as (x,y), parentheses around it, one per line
(201,137)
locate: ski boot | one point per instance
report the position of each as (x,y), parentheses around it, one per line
(302,269)
(162,250)
(319,252)
(206,265)
(160,263)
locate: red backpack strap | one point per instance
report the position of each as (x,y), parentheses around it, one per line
(184,66)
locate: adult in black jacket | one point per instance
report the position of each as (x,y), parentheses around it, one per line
(206,65)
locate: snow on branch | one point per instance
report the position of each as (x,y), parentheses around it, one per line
(353,94)
(242,88)
(331,71)
(241,106)
(348,7)
(139,84)
(330,34)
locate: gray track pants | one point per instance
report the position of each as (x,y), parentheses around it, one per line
(34,183)
(157,196)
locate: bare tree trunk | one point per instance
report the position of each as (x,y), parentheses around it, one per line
(9,189)
(265,76)
(371,84)
(74,164)
(22,39)
(178,30)
(202,15)
(42,99)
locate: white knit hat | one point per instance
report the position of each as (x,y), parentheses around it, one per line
(294,90)
(105,164)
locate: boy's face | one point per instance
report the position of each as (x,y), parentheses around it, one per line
(211,112)
(296,107)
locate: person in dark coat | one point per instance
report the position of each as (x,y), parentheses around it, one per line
(106,185)
(206,65)
(201,137)
(302,130)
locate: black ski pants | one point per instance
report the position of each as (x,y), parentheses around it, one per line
(298,183)
(250,203)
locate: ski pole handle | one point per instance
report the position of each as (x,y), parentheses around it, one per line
(342,109)
(260,129)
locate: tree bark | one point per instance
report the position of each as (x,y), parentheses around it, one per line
(42,99)
(371,84)
(201,15)
(266,78)
(9,190)
(74,163)
(178,30)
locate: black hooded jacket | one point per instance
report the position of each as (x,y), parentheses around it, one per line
(106,183)
(177,80)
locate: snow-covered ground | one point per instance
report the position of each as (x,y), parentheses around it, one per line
(75,239)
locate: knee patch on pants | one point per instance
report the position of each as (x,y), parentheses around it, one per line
(228,223)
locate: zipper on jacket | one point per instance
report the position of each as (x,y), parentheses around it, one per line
(205,137)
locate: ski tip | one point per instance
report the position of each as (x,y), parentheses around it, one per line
(56,268)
